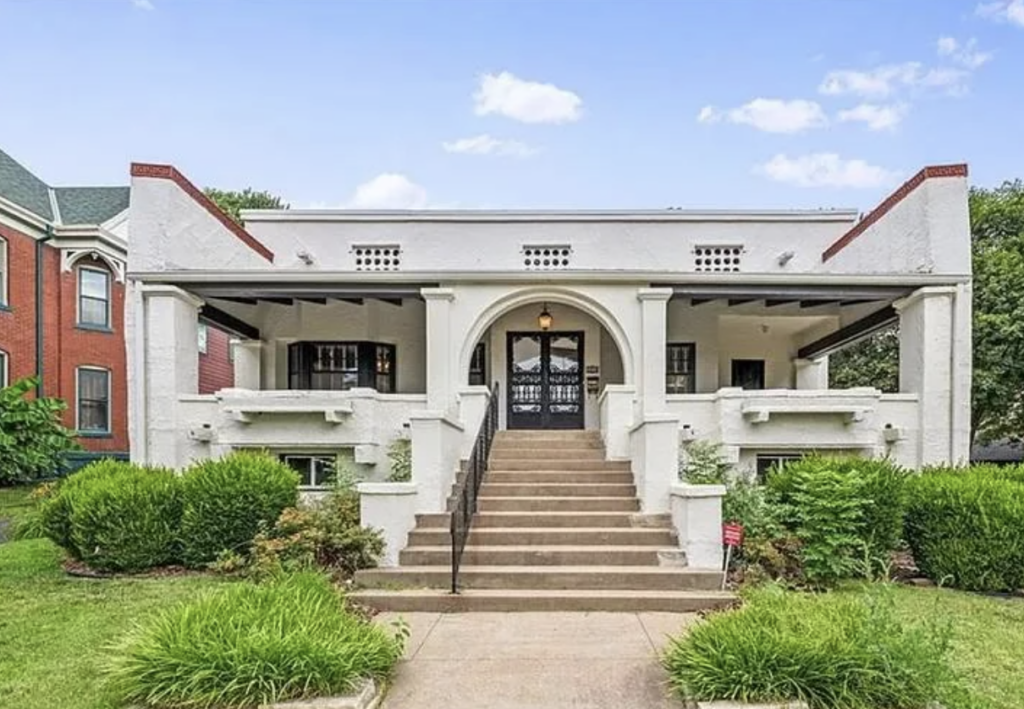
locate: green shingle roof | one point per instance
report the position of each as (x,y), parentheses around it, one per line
(20,186)
(90,205)
(75,205)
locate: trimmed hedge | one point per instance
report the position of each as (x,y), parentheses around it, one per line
(248,645)
(965,527)
(227,501)
(829,650)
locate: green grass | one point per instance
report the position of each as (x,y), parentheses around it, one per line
(55,630)
(15,506)
(988,640)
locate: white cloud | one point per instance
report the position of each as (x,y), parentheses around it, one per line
(770,115)
(489,145)
(825,170)
(389,190)
(1011,11)
(143,4)
(875,116)
(966,55)
(878,82)
(526,101)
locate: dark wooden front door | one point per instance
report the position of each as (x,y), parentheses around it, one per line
(545,380)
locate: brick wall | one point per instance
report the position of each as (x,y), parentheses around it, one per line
(216,370)
(17,324)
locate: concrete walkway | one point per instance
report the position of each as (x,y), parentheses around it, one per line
(534,661)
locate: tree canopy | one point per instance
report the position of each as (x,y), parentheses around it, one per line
(232,202)
(997,245)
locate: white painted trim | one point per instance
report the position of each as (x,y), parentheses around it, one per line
(529,215)
(25,215)
(5,272)
(78,296)
(110,402)
(641,278)
(54,206)
(691,491)
(386,488)
(5,368)
(165,291)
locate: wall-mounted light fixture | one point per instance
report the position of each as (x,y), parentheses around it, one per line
(544,320)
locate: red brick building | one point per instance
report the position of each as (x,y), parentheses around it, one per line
(63,252)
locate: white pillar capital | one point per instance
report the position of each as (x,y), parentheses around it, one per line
(924,293)
(435,294)
(161,290)
(654,294)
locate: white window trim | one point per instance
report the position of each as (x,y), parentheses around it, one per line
(78,300)
(312,472)
(5,368)
(5,270)
(78,404)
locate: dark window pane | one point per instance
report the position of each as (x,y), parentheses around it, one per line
(680,365)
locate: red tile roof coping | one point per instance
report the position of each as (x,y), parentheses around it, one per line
(891,201)
(169,172)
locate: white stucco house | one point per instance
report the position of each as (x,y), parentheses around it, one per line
(653,328)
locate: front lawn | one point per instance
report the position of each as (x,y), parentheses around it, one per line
(988,640)
(55,629)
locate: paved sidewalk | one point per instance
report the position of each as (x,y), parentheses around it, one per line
(534,661)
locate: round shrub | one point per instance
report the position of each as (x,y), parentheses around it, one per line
(965,527)
(248,645)
(828,650)
(116,516)
(227,501)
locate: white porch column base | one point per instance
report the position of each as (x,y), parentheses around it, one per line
(472,407)
(436,443)
(171,367)
(248,361)
(616,406)
(654,443)
(811,373)
(697,518)
(391,508)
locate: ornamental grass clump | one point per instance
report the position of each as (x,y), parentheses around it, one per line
(251,644)
(832,651)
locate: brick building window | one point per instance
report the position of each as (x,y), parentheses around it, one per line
(93,400)
(93,298)
(3,272)
(680,368)
(4,368)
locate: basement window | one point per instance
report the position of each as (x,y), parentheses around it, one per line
(315,471)
(767,462)
(339,366)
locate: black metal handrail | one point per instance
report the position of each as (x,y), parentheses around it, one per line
(466,492)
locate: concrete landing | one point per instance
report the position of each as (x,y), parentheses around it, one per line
(534,661)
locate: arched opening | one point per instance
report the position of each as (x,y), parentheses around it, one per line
(550,377)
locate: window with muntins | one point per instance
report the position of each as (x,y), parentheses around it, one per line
(93,297)
(93,400)
(681,368)
(3,272)
(338,366)
(313,470)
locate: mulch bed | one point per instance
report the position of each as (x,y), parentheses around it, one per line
(82,570)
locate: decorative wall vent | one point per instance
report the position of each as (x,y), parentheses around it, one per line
(717,258)
(547,257)
(377,257)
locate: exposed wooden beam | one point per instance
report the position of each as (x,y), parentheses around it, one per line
(779,292)
(700,301)
(243,301)
(846,336)
(227,322)
(353,301)
(391,301)
(740,301)
(277,301)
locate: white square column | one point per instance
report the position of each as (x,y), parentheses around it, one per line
(441,395)
(654,333)
(935,364)
(168,333)
(248,363)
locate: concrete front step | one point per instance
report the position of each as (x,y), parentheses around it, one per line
(654,578)
(536,453)
(558,476)
(527,434)
(489,489)
(621,466)
(508,601)
(557,504)
(570,520)
(571,536)
(533,555)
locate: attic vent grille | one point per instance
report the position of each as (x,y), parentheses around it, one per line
(547,257)
(377,257)
(717,258)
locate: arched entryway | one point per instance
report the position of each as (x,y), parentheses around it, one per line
(552,369)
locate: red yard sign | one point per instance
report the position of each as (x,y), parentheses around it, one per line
(732,535)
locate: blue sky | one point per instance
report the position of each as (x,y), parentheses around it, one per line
(377,103)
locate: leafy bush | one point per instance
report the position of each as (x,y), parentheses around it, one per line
(400,455)
(701,463)
(33,440)
(115,516)
(965,527)
(847,513)
(847,651)
(246,645)
(327,536)
(227,501)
